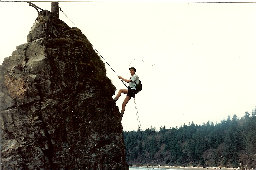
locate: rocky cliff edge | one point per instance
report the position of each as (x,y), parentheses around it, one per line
(56,107)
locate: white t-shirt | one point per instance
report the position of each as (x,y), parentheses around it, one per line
(135,80)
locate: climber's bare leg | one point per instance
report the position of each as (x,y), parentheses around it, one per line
(126,100)
(125,91)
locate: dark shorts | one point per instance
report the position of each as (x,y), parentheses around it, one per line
(131,92)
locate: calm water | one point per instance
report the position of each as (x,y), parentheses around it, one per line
(132,168)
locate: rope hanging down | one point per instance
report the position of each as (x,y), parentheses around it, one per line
(137,113)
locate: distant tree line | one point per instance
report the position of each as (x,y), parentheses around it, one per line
(231,143)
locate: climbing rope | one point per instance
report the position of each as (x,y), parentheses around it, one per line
(34,6)
(137,114)
(94,49)
(109,65)
(66,16)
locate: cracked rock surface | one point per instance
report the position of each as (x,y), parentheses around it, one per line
(56,106)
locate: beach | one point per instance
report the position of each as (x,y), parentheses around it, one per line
(176,168)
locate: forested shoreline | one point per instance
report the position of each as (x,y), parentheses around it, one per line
(230,143)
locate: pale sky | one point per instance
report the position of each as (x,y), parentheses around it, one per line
(196,60)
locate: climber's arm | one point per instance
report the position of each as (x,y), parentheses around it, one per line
(126,80)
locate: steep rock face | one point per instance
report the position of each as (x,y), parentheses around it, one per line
(56,109)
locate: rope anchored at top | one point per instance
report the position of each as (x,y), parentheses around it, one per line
(35,6)
(66,16)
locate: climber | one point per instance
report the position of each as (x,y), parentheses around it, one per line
(131,91)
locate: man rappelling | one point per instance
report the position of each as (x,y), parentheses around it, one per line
(132,88)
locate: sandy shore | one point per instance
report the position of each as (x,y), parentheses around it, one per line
(187,168)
